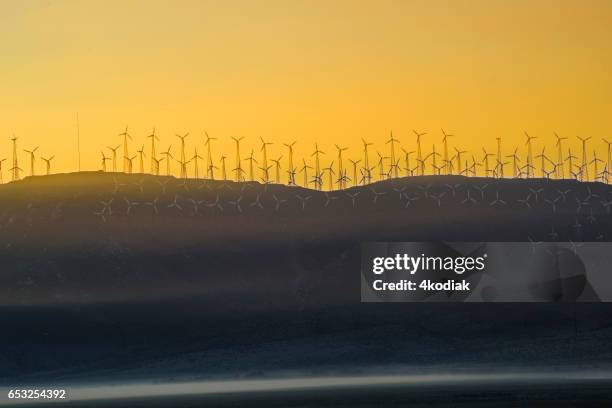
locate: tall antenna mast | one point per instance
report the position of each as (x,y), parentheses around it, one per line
(78,141)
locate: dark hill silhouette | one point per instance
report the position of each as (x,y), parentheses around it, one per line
(166,277)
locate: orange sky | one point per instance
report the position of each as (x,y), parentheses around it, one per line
(327,71)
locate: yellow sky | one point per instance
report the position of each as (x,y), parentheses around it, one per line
(327,71)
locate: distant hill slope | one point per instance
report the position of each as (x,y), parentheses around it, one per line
(91,237)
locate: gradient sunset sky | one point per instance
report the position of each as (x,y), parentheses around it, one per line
(326,71)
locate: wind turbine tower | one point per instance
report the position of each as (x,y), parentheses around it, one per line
(420,151)
(126,154)
(238,161)
(196,165)
(530,166)
(340,167)
(458,154)
(609,159)
(355,163)
(104,160)
(15,169)
(183,160)
(154,163)
(209,160)
(168,155)
(291,170)
(32,159)
(304,170)
(499,157)
(366,162)
(264,161)
(393,166)
(114,150)
(584,170)
(48,163)
(251,159)
(318,181)
(141,153)
(223,168)
(434,160)
(447,166)
(277,167)
(559,170)
(1,161)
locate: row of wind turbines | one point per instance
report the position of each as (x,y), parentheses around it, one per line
(16,171)
(341,172)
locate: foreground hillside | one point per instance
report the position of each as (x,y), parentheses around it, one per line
(108,275)
(114,237)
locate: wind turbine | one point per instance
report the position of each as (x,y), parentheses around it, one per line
(475,166)
(1,161)
(542,156)
(392,141)
(304,171)
(381,166)
(168,155)
(609,160)
(570,159)
(251,159)
(32,159)
(183,160)
(317,152)
(407,160)
(340,167)
(419,151)
(126,154)
(355,163)
(499,158)
(560,170)
(48,163)
(366,161)
(157,163)
(264,162)
(330,170)
(142,155)
(209,160)
(584,168)
(434,160)
(485,160)
(594,163)
(529,153)
(499,169)
(515,162)
(130,162)
(195,158)
(15,169)
(223,168)
(291,170)
(445,158)
(154,137)
(114,150)
(458,154)
(238,168)
(104,160)
(278,168)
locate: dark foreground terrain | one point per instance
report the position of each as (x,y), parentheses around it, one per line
(109,277)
